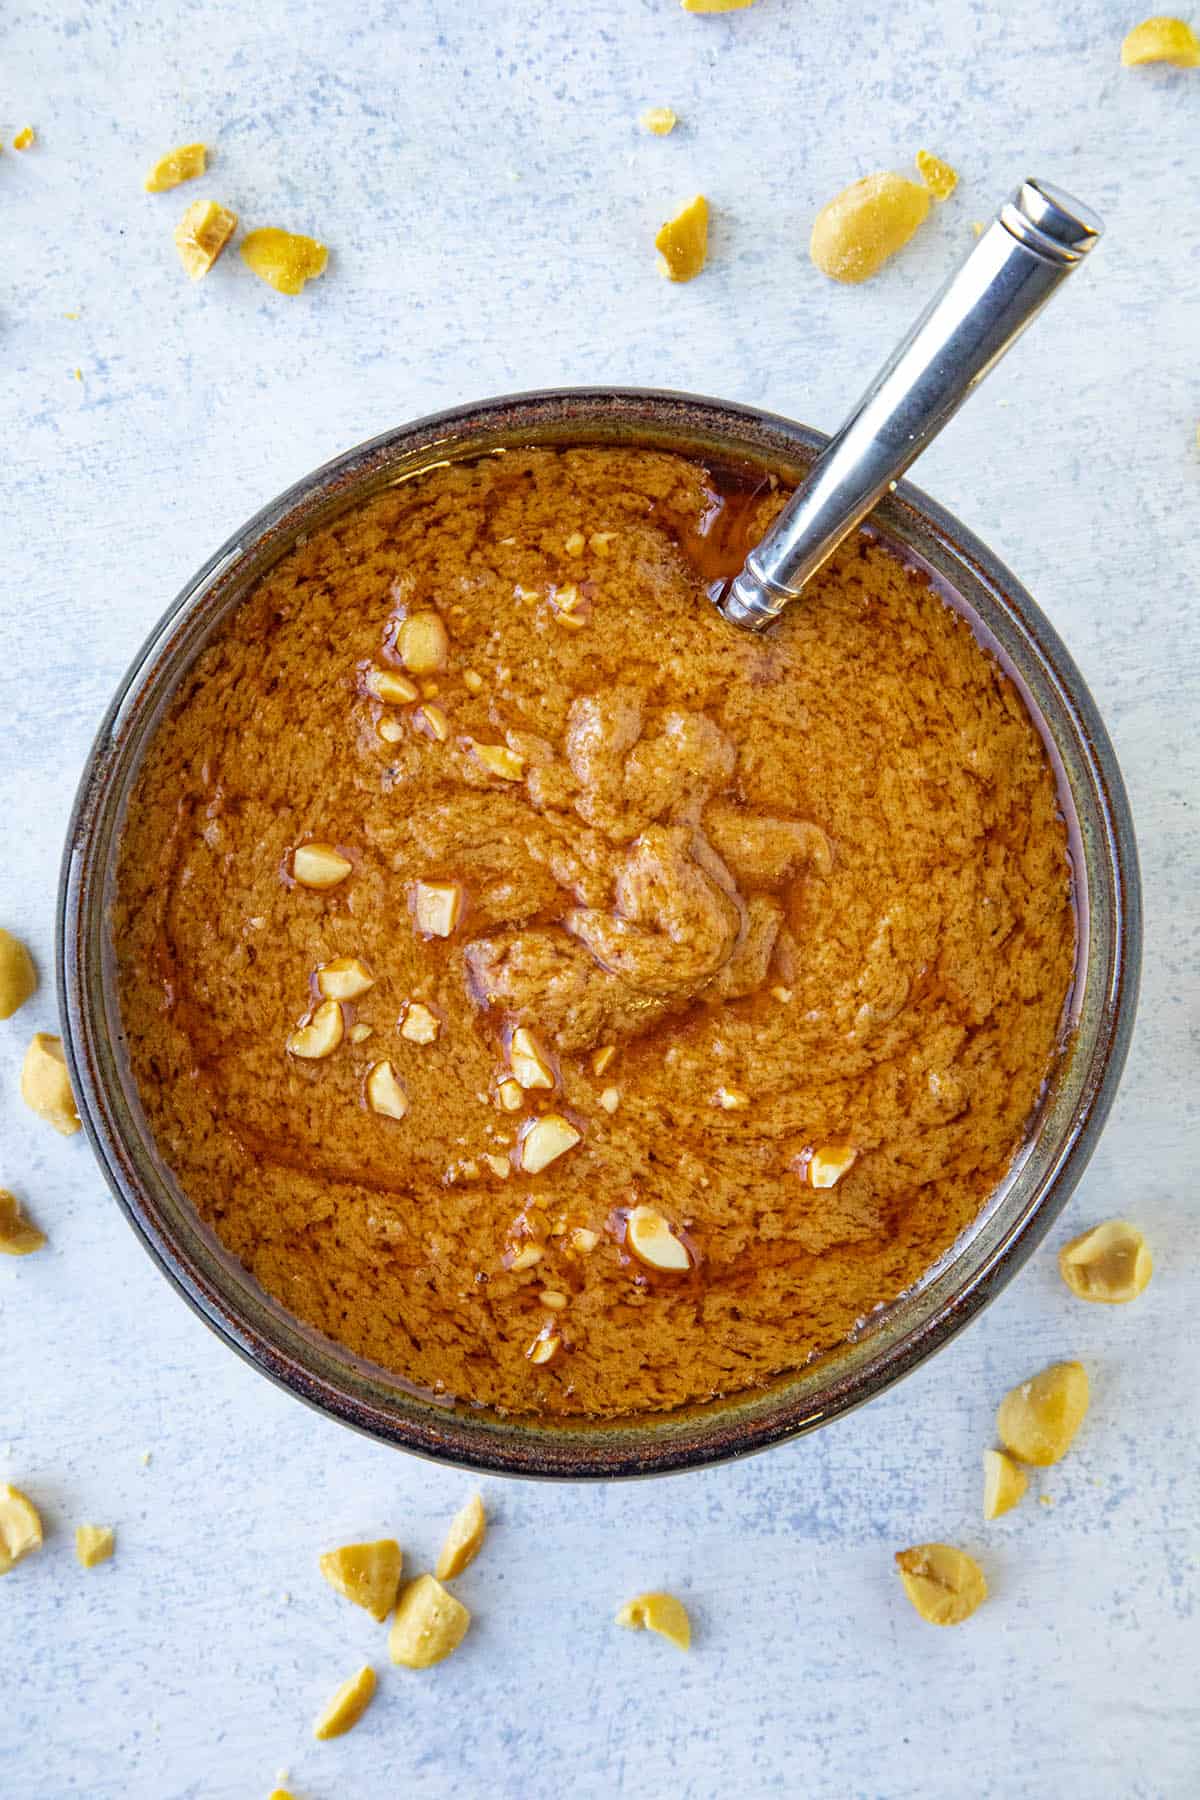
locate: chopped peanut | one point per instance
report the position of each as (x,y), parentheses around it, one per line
(429,1624)
(1038,1420)
(20,1527)
(183,164)
(45,1084)
(659,121)
(463,1540)
(423,643)
(319,1035)
(855,234)
(347,1706)
(202,234)
(17,1236)
(1161,39)
(938,176)
(548,1138)
(18,977)
(945,1585)
(1110,1263)
(658,1612)
(682,243)
(528,1061)
(284,259)
(94,1544)
(1004,1483)
(345,978)
(367,1574)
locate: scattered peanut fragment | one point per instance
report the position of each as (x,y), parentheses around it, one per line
(682,243)
(1004,1483)
(345,978)
(584,1240)
(654,1243)
(602,1058)
(499,760)
(437,907)
(545,1141)
(45,1084)
(423,643)
(25,138)
(855,234)
(659,121)
(464,1540)
(715,6)
(499,1165)
(527,1257)
(1110,1263)
(1037,1420)
(384,1093)
(201,235)
(730,1099)
(472,681)
(284,259)
(181,164)
(368,1574)
(391,686)
(658,1612)
(360,1032)
(432,721)
(553,1299)
(528,1061)
(319,866)
(418,1024)
(938,176)
(320,1035)
(825,1164)
(1161,39)
(509,1095)
(945,1585)
(94,1544)
(610,1099)
(20,1527)
(18,977)
(546,1344)
(17,1236)
(347,1706)
(428,1624)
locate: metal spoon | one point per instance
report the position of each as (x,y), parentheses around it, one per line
(1028,250)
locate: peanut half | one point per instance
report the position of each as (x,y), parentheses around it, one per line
(945,1585)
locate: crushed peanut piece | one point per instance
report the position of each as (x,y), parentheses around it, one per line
(510,1095)
(1110,1263)
(602,1058)
(938,176)
(390,729)
(1004,1483)
(1038,1420)
(202,234)
(659,121)
(391,686)
(358,1034)
(527,1257)
(610,1099)
(472,681)
(1161,39)
(428,1624)
(433,722)
(945,1585)
(319,866)
(575,544)
(347,1706)
(418,1024)
(782,994)
(682,243)
(17,1236)
(437,907)
(384,1093)
(584,1240)
(730,1099)
(319,1035)
(662,1613)
(497,759)
(855,234)
(18,977)
(464,1540)
(367,1574)
(553,1299)
(499,1165)
(825,1164)
(423,643)
(546,1344)
(654,1243)
(545,1140)
(94,1544)
(599,541)
(283,259)
(715,6)
(25,138)
(45,1084)
(528,1061)
(20,1527)
(182,164)
(345,978)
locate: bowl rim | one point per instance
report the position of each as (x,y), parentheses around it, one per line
(700,1436)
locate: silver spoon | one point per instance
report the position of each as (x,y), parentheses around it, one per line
(1030,247)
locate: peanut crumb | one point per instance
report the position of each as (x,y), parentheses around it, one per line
(285,260)
(94,1544)
(25,138)
(181,164)
(659,121)
(682,243)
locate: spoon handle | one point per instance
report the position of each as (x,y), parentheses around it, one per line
(1030,247)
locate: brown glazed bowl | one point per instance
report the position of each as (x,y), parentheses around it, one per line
(897,1336)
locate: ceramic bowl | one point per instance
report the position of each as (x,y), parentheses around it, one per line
(897,1337)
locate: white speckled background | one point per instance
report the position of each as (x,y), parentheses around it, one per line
(478,172)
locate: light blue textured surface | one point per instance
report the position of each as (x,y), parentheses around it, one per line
(490,203)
